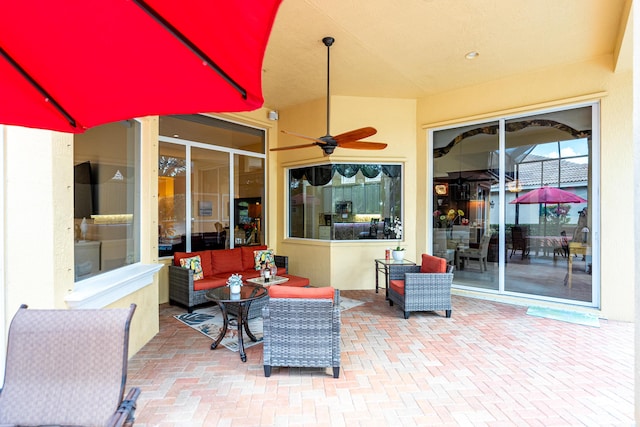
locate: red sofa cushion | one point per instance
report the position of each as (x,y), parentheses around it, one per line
(209,283)
(283,291)
(397,286)
(226,261)
(248,260)
(205,260)
(433,264)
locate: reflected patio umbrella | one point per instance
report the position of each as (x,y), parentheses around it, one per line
(547,195)
(72,65)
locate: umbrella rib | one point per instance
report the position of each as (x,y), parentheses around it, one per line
(190,45)
(47,97)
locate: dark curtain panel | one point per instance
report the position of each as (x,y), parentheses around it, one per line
(370,171)
(347,170)
(319,175)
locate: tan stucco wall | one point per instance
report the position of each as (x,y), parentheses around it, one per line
(38,225)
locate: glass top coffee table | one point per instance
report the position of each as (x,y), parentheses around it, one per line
(239,304)
(276,280)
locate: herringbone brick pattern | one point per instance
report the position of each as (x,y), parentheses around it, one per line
(489,365)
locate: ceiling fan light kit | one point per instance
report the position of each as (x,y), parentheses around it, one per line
(329,143)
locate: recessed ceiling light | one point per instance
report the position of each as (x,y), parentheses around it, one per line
(472,55)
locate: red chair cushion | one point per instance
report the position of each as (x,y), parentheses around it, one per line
(433,264)
(282,291)
(397,286)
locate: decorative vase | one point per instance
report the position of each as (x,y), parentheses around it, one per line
(397,255)
(235,288)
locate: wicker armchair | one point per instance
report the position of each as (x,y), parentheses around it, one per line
(302,329)
(68,367)
(412,290)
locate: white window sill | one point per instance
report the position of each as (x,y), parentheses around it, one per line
(104,289)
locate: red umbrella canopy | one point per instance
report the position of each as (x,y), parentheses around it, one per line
(548,195)
(75,64)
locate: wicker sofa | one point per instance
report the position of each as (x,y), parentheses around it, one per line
(421,288)
(217,266)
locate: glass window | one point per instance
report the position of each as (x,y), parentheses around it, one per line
(106,198)
(346,202)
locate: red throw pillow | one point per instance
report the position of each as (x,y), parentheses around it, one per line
(433,264)
(281,291)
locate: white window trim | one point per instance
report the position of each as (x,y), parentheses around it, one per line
(109,287)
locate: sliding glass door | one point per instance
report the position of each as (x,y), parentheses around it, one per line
(527,182)
(211,184)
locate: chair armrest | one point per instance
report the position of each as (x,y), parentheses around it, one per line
(180,274)
(125,415)
(397,272)
(427,283)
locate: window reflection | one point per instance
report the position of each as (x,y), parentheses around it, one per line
(345,201)
(107,198)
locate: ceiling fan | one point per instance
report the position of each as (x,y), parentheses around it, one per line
(329,143)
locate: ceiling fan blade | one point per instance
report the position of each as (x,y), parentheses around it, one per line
(355,135)
(363,145)
(310,138)
(294,147)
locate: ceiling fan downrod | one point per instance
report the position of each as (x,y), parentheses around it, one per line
(328,41)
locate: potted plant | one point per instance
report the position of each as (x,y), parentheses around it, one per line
(398,253)
(235,283)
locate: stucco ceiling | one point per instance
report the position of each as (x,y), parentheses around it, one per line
(415,48)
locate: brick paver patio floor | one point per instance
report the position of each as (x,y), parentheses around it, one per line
(490,364)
